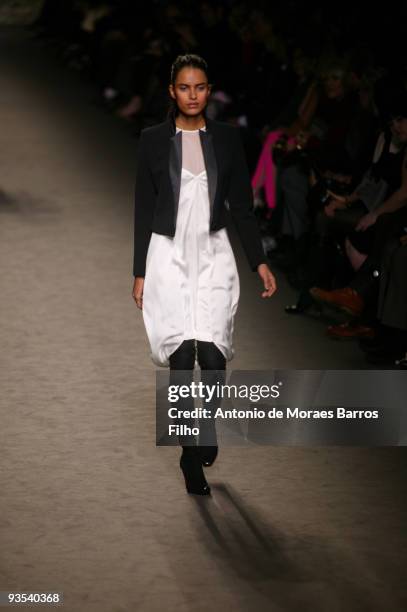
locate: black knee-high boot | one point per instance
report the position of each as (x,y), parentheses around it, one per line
(213,365)
(182,363)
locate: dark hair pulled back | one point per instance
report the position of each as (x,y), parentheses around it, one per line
(190,60)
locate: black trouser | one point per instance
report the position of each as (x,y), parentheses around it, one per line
(213,364)
(330,232)
(387,228)
(392,309)
(324,262)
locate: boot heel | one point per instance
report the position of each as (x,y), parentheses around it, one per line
(191,466)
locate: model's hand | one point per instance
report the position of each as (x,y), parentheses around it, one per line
(268,279)
(138,291)
(366,221)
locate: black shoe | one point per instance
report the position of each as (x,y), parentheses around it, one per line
(370,344)
(191,466)
(386,340)
(402,363)
(381,345)
(294,309)
(208,455)
(384,357)
(304,303)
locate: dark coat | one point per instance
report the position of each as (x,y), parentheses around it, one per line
(158,181)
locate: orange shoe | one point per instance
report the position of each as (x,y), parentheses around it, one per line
(346,331)
(346,299)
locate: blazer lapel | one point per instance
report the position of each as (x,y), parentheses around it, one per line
(208,151)
(175,168)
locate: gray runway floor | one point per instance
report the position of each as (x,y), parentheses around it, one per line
(89,506)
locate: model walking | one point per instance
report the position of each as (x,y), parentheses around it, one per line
(190,168)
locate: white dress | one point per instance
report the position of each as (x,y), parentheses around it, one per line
(191,284)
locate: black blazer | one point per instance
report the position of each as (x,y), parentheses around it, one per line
(158,180)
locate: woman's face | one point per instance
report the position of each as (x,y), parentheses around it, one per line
(190,91)
(398,128)
(333,84)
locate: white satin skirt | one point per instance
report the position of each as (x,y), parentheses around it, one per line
(191,284)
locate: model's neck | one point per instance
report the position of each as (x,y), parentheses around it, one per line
(190,123)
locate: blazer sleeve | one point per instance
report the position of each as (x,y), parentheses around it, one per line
(240,198)
(144,201)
